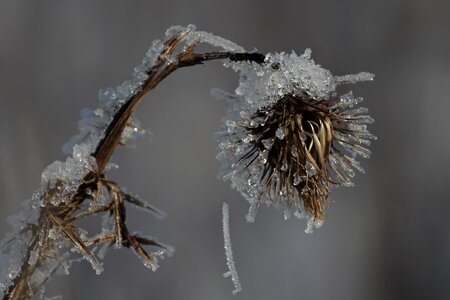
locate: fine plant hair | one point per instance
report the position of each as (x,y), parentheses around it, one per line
(288,137)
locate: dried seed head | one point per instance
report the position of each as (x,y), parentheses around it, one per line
(288,148)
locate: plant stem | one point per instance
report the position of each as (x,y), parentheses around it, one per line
(51,215)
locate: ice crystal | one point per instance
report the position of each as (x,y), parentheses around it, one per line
(228,251)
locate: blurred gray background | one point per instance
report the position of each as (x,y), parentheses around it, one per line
(386,238)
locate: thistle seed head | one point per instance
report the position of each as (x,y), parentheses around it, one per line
(289,151)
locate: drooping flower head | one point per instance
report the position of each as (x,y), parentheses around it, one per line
(288,136)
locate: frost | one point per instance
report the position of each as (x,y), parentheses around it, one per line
(354,78)
(281,74)
(280,133)
(313,224)
(228,251)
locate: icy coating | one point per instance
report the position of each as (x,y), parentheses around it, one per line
(282,73)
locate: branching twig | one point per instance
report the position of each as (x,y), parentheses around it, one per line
(64,215)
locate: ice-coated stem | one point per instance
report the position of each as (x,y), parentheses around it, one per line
(65,213)
(107,146)
(229,251)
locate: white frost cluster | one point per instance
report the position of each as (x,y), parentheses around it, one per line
(228,251)
(281,74)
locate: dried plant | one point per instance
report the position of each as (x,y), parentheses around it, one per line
(283,144)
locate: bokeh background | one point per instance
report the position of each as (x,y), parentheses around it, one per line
(386,238)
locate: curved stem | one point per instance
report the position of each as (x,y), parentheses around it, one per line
(114,131)
(21,287)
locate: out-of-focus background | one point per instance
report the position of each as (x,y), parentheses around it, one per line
(386,238)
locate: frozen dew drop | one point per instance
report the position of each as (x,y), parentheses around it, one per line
(313,224)
(287,214)
(249,138)
(99,112)
(280,133)
(348,184)
(264,155)
(243,114)
(299,214)
(231,125)
(151,265)
(157,46)
(254,123)
(240,149)
(311,170)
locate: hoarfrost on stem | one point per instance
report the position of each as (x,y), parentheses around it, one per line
(228,250)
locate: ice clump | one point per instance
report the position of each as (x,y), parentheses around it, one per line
(263,84)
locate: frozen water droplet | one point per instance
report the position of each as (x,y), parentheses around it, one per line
(347,99)
(99,112)
(348,184)
(313,224)
(280,133)
(287,214)
(311,170)
(240,149)
(243,114)
(249,138)
(299,214)
(231,125)
(264,156)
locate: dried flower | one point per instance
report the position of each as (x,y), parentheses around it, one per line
(288,137)
(284,140)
